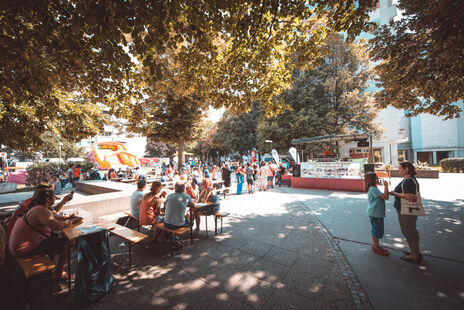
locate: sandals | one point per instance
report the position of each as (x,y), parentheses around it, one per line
(380,251)
(411,259)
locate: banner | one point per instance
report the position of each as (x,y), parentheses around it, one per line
(253,156)
(275,156)
(292,152)
(297,158)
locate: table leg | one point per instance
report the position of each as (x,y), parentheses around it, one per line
(69,266)
(191,226)
(206,222)
(130,255)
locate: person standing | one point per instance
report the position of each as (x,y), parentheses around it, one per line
(77,173)
(249,178)
(71,174)
(376,210)
(226,175)
(240,172)
(407,189)
(263,175)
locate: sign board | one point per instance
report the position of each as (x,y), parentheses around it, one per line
(363,143)
(301,147)
(331,170)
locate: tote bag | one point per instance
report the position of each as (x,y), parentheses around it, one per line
(412,207)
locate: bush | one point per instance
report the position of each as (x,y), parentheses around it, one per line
(452,164)
(39,172)
(86,166)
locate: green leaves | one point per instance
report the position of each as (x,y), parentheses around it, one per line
(420,58)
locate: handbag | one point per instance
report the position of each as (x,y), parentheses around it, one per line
(412,207)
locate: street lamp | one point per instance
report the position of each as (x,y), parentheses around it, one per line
(269,141)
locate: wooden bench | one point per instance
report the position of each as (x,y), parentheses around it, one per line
(219,216)
(224,190)
(132,237)
(35,266)
(130,216)
(175,232)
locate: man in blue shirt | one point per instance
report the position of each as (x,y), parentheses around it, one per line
(176,204)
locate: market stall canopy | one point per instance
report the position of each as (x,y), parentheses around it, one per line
(352,137)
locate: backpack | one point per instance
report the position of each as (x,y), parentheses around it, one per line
(94,276)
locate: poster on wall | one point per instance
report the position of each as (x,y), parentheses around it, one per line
(334,170)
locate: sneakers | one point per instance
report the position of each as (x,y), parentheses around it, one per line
(380,251)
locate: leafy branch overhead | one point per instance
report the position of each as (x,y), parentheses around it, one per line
(421,58)
(111,54)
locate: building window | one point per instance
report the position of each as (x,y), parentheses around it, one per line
(390,3)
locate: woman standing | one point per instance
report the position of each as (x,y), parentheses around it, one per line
(407,189)
(240,172)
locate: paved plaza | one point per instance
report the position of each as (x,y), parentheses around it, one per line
(300,249)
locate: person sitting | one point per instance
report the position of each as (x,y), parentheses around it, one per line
(112,175)
(150,207)
(206,196)
(176,205)
(137,197)
(57,185)
(26,203)
(32,233)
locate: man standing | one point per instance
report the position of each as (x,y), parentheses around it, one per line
(176,204)
(71,174)
(77,173)
(225,174)
(137,197)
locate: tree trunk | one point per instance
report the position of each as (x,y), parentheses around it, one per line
(180,153)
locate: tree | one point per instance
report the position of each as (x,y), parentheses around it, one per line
(420,58)
(329,99)
(159,149)
(68,149)
(237,134)
(58,52)
(169,119)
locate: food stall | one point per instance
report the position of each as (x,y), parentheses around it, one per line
(328,171)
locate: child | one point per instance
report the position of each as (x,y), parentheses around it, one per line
(376,210)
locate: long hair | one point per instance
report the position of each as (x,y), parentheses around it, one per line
(407,165)
(370,179)
(155,189)
(39,199)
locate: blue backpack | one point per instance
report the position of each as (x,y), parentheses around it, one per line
(94,276)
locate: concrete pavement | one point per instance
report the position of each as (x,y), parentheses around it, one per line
(389,282)
(271,255)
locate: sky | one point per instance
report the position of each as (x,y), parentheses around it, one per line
(215,114)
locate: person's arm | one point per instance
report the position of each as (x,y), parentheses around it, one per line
(60,205)
(385,194)
(410,190)
(46,218)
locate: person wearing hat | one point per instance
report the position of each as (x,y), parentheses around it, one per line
(33,232)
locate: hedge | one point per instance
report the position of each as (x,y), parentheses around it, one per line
(452,164)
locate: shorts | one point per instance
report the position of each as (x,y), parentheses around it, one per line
(269,179)
(250,181)
(377,228)
(169,226)
(50,246)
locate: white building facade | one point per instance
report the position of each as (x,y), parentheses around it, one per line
(425,137)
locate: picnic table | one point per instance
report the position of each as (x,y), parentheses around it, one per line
(73,232)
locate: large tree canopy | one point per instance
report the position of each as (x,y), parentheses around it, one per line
(421,56)
(328,99)
(54,50)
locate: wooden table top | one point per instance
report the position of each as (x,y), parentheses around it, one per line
(72,232)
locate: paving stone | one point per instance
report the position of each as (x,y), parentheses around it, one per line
(268,270)
(282,256)
(285,299)
(239,260)
(256,248)
(314,265)
(303,283)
